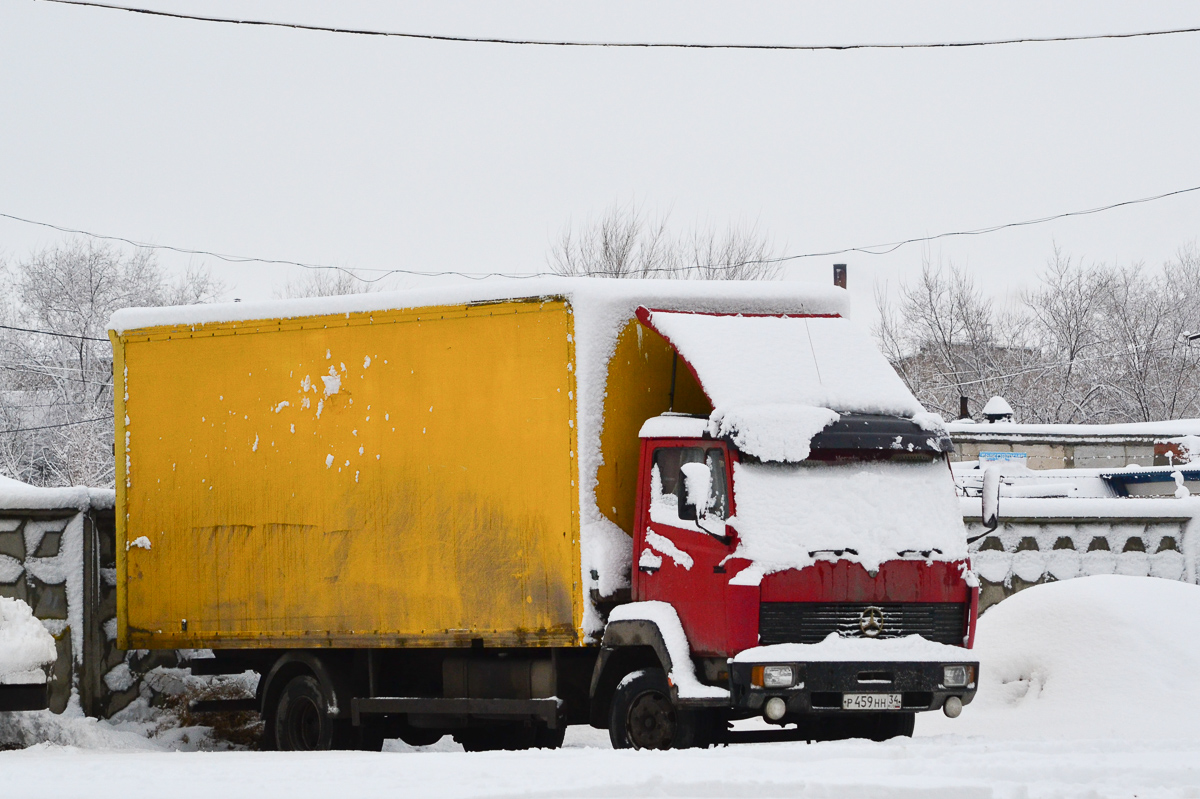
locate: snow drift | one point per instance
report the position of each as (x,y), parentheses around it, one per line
(25,645)
(1093,657)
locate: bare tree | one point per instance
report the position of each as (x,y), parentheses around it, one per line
(947,340)
(1090,344)
(325,283)
(627,242)
(56,390)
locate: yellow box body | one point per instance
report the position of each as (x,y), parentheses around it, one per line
(395,478)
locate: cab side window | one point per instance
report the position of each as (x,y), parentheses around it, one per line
(667,487)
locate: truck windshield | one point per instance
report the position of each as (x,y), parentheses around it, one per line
(666,484)
(868,511)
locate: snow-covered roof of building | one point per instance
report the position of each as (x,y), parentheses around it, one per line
(15,495)
(1173,428)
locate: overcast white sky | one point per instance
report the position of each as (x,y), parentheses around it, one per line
(387,153)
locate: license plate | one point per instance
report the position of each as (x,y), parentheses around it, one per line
(870,701)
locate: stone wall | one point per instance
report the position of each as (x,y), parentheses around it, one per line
(1025,552)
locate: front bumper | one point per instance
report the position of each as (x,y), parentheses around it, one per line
(820,686)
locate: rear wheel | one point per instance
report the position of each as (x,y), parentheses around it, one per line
(643,716)
(302,719)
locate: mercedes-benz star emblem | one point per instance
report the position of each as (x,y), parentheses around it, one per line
(871,621)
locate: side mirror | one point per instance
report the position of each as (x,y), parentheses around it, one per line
(991,498)
(694,488)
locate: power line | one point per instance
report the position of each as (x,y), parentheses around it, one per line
(29,430)
(884,249)
(872,249)
(1133,348)
(37,371)
(52,333)
(615,45)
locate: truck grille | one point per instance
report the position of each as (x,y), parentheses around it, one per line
(811,622)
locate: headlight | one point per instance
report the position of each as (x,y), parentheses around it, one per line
(957,676)
(773,676)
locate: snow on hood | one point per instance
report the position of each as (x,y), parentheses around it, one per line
(909,648)
(791,515)
(25,645)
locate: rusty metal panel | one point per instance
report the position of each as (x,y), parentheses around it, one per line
(376,479)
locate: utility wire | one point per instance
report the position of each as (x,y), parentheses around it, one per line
(872,249)
(884,249)
(615,45)
(52,333)
(1133,348)
(53,426)
(40,373)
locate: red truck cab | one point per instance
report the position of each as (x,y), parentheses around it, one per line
(811,564)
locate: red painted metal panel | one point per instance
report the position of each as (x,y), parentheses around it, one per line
(722,619)
(843,581)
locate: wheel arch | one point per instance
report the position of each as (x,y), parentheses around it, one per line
(330,675)
(627,646)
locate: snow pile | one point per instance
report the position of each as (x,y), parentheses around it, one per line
(910,648)
(25,646)
(15,495)
(772,432)
(158,720)
(789,516)
(1188,447)
(683,672)
(1095,657)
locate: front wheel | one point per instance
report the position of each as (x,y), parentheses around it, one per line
(643,716)
(893,725)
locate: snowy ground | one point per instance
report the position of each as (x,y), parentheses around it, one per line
(1088,690)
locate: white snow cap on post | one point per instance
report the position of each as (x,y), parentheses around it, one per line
(997,408)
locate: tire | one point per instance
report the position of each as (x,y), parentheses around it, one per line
(302,720)
(417,736)
(893,725)
(643,717)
